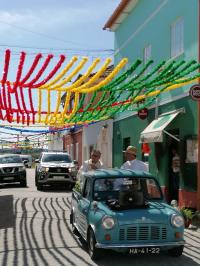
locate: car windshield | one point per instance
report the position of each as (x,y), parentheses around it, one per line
(10,159)
(65,158)
(25,159)
(114,188)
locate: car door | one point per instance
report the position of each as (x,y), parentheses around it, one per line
(83,207)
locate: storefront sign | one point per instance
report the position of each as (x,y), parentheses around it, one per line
(195,92)
(143,113)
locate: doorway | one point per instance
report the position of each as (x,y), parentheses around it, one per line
(173,165)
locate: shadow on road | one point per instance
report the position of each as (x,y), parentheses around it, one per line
(41,235)
(7,217)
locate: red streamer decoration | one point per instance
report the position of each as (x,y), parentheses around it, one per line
(18,103)
(32,68)
(52,73)
(41,71)
(6,66)
(19,73)
(22,100)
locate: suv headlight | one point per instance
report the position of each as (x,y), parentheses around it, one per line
(72,169)
(22,168)
(44,169)
(108,222)
(177,220)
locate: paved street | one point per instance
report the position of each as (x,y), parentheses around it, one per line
(35,230)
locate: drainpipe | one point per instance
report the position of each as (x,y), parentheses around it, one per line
(198,115)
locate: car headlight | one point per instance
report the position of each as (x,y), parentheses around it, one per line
(22,168)
(108,222)
(44,169)
(177,220)
(72,169)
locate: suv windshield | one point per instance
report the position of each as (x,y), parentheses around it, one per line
(114,188)
(10,159)
(65,158)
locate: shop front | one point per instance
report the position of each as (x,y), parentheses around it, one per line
(172,141)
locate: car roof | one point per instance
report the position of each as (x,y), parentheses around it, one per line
(52,152)
(100,173)
(8,154)
(25,155)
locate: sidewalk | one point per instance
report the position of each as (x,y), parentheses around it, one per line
(192,245)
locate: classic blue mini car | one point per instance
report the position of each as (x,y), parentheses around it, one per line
(125,211)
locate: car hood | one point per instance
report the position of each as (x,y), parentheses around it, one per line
(156,212)
(11,165)
(58,164)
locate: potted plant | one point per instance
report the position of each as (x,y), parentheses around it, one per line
(196,219)
(77,186)
(187,215)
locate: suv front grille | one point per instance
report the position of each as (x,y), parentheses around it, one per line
(8,170)
(58,170)
(143,232)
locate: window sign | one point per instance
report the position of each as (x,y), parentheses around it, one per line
(192,151)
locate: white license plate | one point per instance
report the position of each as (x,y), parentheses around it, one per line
(59,177)
(8,178)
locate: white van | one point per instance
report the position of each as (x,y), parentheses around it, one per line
(28,158)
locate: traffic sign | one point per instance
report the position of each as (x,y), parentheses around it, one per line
(195,92)
(143,113)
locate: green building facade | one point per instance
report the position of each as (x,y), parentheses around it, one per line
(160,30)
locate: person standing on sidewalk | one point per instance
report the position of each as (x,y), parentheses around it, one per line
(175,165)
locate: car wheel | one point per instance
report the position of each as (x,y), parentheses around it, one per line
(23,183)
(94,252)
(36,178)
(39,187)
(176,252)
(70,186)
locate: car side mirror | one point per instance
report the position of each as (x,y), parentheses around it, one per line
(25,162)
(75,161)
(94,205)
(37,160)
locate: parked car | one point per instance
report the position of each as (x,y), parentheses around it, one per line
(55,168)
(27,159)
(124,210)
(12,169)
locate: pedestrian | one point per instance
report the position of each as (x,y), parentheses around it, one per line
(93,163)
(131,162)
(175,165)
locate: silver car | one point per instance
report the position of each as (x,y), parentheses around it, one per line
(55,168)
(12,169)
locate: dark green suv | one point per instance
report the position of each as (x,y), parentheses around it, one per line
(12,169)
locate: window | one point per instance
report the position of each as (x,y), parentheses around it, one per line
(147,57)
(72,151)
(77,150)
(86,191)
(68,151)
(126,143)
(177,45)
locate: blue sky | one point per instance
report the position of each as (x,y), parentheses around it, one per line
(54,25)
(68,24)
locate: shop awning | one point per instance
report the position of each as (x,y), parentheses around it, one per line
(154,131)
